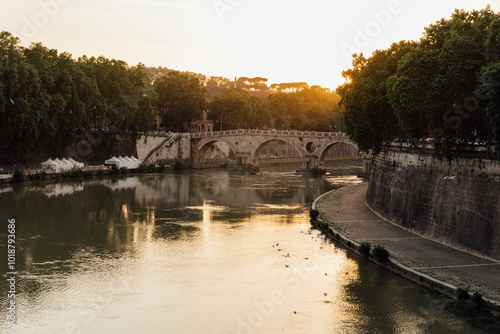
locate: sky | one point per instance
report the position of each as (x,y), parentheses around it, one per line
(282,40)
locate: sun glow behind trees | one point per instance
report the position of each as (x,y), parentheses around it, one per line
(282,40)
(445,87)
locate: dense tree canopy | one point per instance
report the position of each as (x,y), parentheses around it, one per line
(50,101)
(47,98)
(443,86)
(181,99)
(312,108)
(234,109)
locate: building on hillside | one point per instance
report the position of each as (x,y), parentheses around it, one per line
(203,125)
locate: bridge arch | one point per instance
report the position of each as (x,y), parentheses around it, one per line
(324,151)
(263,144)
(205,145)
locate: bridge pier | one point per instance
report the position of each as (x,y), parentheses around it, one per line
(311,164)
(244,158)
(246,145)
(310,161)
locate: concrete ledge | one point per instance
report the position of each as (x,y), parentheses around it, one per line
(394,266)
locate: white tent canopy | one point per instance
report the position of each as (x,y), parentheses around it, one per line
(60,165)
(75,163)
(130,163)
(49,164)
(111,161)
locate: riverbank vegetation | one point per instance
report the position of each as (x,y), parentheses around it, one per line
(473,308)
(444,88)
(20,175)
(308,108)
(48,100)
(51,102)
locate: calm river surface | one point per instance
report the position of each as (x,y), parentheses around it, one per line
(198,252)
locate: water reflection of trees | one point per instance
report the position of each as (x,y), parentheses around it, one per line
(118,215)
(380,312)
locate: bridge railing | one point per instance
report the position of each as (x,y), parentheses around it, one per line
(269,133)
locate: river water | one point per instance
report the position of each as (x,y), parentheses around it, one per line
(198,252)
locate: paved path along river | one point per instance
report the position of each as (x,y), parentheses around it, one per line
(346,209)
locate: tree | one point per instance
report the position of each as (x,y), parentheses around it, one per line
(181,99)
(490,79)
(50,98)
(369,118)
(21,99)
(217,85)
(433,91)
(233,109)
(439,87)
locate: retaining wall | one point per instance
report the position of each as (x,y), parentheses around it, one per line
(456,203)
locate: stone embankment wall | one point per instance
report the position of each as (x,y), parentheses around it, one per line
(164,147)
(456,203)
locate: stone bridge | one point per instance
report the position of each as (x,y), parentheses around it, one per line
(247,144)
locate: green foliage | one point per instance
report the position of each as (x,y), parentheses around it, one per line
(364,248)
(162,166)
(349,244)
(38,176)
(462,293)
(114,170)
(51,99)
(323,226)
(381,254)
(234,109)
(19,174)
(181,99)
(123,170)
(146,168)
(73,173)
(446,87)
(337,236)
(477,299)
(369,118)
(181,164)
(313,213)
(305,108)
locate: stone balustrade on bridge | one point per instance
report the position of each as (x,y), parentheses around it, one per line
(269,133)
(246,145)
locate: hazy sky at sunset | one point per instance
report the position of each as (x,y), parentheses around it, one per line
(283,40)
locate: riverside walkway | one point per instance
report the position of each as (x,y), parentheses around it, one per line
(346,212)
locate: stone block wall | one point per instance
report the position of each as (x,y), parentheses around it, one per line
(456,203)
(175,146)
